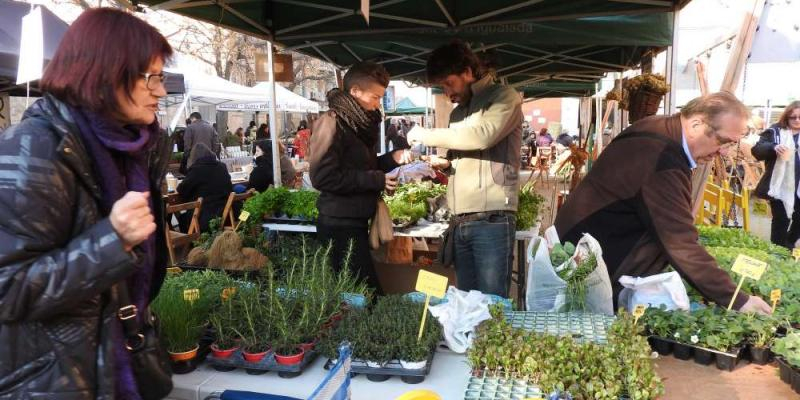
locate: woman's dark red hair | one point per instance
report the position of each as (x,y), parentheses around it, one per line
(103,50)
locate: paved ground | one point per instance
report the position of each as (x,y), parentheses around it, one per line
(686,380)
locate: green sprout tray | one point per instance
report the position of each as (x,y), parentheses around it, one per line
(580,326)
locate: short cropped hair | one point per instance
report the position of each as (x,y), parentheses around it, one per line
(714,105)
(103,50)
(452,59)
(195,115)
(363,72)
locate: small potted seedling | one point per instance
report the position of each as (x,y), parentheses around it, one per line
(413,354)
(762,331)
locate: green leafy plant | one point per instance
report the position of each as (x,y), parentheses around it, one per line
(528,208)
(788,347)
(411,201)
(266,203)
(585,371)
(303,204)
(183,306)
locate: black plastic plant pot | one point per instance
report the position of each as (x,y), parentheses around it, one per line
(662,346)
(760,355)
(412,380)
(184,366)
(795,379)
(785,371)
(681,351)
(703,356)
(378,378)
(252,371)
(726,362)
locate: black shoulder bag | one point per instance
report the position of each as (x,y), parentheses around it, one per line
(149,360)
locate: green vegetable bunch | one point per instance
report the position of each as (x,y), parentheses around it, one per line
(528,208)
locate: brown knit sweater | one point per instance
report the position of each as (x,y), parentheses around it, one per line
(636,202)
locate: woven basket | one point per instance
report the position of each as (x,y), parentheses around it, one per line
(643,104)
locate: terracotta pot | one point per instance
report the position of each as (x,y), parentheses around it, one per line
(254,357)
(184,356)
(292,359)
(222,353)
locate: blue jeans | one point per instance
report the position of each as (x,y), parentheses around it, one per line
(484,252)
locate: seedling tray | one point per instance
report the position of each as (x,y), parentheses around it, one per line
(267,364)
(392,368)
(287,220)
(580,326)
(789,374)
(489,388)
(723,360)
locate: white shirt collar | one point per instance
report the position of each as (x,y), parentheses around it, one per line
(692,163)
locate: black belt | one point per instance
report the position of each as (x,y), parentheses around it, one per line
(477,216)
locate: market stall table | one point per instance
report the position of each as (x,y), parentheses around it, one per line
(448,377)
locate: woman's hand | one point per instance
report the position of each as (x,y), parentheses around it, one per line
(391,184)
(132,219)
(781,150)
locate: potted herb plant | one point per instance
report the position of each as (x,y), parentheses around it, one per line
(761,331)
(413,354)
(254,328)
(180,325)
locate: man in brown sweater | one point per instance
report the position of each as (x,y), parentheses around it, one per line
(636,201)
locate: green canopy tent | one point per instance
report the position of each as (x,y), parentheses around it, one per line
(407,107)
(525,41)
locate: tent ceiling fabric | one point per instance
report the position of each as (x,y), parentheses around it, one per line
(526,41)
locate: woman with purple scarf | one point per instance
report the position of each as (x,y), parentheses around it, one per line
(81,212)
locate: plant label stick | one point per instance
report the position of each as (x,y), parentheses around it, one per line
(638,312)
(174,270)
(747,267)
(432,285)
(191,295)
(243,216)
(774,296)
(424,316)
(227,293)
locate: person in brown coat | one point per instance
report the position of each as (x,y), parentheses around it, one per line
(636,201)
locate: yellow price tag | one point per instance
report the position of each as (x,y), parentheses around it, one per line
(227,293)
(244,215)
(749,267)
(775,295)
(174,270)
(638,312)
(796,253)
(431,284)
(191,295)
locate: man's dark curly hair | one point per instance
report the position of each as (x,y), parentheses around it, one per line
(452,59)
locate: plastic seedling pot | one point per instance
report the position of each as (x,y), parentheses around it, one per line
(662,346)
(760,355)
(681,351)
(703,356)
(785,371)
(727,362)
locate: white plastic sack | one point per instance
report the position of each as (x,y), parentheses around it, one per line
(460,315)
(547,291)
(655,290)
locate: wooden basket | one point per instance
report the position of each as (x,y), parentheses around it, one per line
(643,104)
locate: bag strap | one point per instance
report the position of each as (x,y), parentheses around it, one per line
(127,315)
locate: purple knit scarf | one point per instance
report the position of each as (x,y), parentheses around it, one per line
(120,158)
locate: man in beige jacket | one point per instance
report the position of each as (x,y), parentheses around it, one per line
(483,159)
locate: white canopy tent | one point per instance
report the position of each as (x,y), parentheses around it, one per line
(224,95)
(286,101)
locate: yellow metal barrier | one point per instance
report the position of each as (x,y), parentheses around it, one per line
(717,202)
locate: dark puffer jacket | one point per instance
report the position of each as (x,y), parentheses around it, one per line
(348,174)
(59,256)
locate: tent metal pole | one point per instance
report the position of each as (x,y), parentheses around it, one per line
(670,105)
(276,156)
